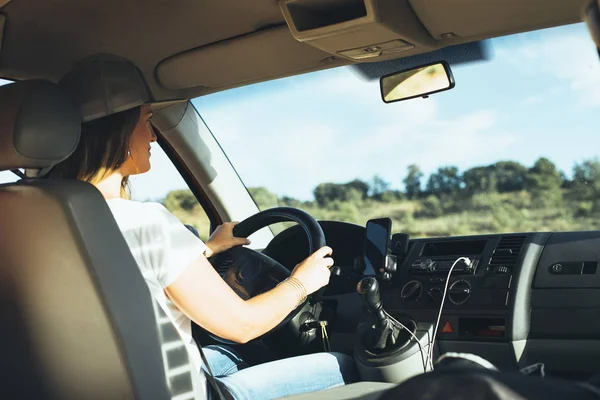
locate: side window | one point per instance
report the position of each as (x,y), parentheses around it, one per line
(8,177)
(164,184)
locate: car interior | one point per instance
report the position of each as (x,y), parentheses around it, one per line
(77,318)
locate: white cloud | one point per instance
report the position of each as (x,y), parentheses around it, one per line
(568,57)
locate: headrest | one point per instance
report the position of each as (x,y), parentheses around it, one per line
(105,84)
(39,125)
(591,15)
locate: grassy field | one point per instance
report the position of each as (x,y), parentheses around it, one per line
(431,216)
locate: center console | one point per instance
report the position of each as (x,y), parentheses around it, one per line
(486,309)
(520,299)
(479,294)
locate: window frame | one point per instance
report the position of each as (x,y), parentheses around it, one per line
(193,185)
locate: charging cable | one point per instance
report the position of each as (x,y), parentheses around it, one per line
(424,359)
(437,324)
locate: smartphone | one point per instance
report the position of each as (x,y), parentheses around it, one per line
(377,243)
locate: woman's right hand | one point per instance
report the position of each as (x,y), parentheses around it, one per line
(314,272)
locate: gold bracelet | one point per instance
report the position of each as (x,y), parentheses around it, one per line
(298,288)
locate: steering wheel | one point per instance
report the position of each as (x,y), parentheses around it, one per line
(250,273)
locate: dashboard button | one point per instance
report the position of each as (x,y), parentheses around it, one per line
(566,268)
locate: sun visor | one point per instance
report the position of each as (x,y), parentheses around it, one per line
(259,55)
(105,84)
(483,19)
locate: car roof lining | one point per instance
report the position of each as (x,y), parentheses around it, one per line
(201,47)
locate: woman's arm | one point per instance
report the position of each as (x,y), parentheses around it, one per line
(201,294)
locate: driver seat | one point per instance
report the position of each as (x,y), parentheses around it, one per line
(77,317)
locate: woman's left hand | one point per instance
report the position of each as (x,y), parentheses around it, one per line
(222,239)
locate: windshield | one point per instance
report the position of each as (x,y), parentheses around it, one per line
(511,148)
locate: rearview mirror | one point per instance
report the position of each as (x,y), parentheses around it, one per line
(416,82)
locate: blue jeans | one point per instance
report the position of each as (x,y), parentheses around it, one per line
(279,378)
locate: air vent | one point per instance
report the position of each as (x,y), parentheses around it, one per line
(507,251)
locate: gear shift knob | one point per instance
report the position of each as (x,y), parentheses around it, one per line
(368,289)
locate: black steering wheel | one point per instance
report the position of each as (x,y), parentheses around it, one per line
(250,273)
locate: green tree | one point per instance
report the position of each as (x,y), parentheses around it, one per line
(378,187)
(180,200)
(510,176)
(327,192)
(353,191)
(586,179)
(477,180)
(360,186)
(263,198)
(412,182)
(290,202)
(431,207)
(503,176)
(446,180)
(544,181)
(544,176)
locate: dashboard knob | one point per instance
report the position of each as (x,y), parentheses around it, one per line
(427,265)
(435,293)
(411,291)
(459,292)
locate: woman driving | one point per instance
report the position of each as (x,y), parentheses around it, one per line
(182,281)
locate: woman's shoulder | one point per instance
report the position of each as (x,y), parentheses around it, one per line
(140,213)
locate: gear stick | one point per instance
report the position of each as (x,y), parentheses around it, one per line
(368,288)
(384,334)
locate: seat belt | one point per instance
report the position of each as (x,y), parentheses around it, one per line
(210,377)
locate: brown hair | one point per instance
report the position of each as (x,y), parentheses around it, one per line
(102,149)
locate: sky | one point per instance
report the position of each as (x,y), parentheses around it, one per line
(538,96)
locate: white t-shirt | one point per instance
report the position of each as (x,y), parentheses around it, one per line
(163,248)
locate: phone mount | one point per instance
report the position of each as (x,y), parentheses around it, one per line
(390,267)
(399,250)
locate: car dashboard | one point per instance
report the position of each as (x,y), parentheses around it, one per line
(524,297)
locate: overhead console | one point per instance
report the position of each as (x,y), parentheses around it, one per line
(358,30)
